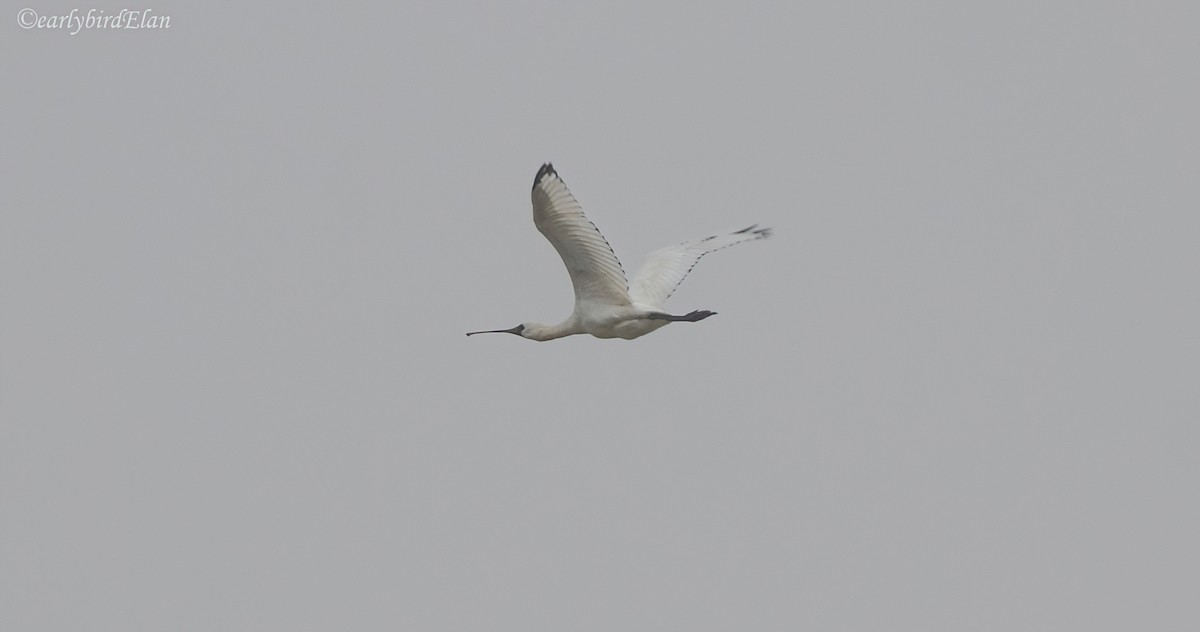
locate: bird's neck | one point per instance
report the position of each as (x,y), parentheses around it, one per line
(542,333)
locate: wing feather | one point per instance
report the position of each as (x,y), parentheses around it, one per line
(665,269)
(595,271)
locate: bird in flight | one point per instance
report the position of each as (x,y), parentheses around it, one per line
(606,306)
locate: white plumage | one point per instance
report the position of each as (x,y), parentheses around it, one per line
(606,306)
(666,268)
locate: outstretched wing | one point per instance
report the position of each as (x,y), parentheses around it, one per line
(665,269)
(595,271)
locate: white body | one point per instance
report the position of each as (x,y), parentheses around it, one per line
(604,320)
(606,306)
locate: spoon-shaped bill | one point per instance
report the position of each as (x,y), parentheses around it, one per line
(514,330)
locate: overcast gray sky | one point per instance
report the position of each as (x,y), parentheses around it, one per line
(957,390)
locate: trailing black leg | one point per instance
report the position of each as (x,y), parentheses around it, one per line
(690,317)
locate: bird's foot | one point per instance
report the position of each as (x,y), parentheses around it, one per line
(690,317)
(699,314)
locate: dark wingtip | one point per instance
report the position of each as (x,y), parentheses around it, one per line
(760,233)
(546,170)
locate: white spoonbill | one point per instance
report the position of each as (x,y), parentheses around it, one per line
(605,305)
